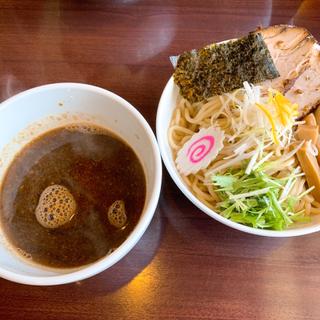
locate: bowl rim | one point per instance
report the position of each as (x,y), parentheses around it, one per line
(149,209)
(162,138)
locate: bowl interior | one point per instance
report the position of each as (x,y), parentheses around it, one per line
(165,109)
(35,111)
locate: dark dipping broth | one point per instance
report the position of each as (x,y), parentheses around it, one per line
(97,168)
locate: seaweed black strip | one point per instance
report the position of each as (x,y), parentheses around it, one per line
(220,68)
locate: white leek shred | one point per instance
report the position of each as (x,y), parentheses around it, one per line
(290,183)
(253,92)
(232,162)
(263,160)
(291,153)
(305,192)
(249,194)
(252,161)
(250,92)
(241,149)
(251,131)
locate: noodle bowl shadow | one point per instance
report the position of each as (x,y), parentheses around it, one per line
(55,105)
(164,114)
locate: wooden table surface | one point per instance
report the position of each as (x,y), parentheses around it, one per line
(186,266)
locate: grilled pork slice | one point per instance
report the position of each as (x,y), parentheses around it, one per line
(306,89)
(290,48)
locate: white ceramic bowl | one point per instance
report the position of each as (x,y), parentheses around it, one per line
(34,111)
(164,114)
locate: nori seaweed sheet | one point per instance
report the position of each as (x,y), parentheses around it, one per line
(220,68)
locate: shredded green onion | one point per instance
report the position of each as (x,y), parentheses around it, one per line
(255,199)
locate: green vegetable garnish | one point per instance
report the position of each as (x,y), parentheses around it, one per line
(255,199)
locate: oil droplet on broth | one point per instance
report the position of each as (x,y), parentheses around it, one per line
(56,207)
(24,254)
(117,214)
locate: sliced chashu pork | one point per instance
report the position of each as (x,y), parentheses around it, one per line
(306,88)
(290,48)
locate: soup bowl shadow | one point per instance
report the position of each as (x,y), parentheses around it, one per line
(56,105)
(138,261)
(196,233)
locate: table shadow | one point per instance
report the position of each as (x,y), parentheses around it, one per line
(199,232)
(111,279)
(127,268)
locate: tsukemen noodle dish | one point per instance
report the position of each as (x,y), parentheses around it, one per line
(71,196)
(244,133)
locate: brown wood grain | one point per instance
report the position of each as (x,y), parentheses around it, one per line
(186,266)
